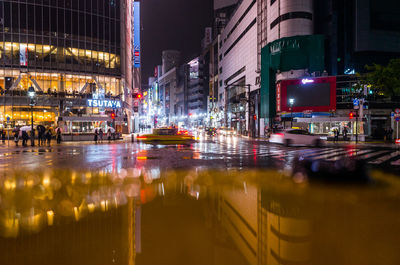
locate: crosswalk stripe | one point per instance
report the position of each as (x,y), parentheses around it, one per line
(396,163)
(330,155)
(322,153)
(349,154)
(385,158)
(371,155)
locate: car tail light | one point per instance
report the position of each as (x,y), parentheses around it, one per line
(397,141)
(142,137)
(280,134)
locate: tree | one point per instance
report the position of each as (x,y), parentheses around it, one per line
(384,79)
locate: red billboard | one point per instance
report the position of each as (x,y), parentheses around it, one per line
(314,94)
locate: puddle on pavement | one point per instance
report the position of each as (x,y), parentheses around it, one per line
(150,216)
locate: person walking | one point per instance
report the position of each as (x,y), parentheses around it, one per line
(345,133)
(58,135)
(109,135)
(48,137)
(101,133)
(95,136)
(16,136)
(336,135)
(25,138)
(3,136)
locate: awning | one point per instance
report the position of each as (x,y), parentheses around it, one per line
(324,119)
(90,118)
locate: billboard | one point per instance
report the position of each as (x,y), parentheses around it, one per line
(307,94)
(136,34)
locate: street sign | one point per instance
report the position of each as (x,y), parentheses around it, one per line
(356,102)
(8,118)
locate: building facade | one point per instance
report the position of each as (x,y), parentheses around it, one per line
(237,73)
(69,52)
(311,39)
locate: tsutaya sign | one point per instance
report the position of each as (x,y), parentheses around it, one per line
(105,103)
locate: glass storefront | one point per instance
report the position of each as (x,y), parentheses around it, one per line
(57,82)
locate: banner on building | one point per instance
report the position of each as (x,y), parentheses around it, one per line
(23,55)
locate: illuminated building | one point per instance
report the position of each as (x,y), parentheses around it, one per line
(69,51)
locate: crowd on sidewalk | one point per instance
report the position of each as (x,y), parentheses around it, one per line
(41,135)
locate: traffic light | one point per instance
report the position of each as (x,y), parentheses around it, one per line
(113,115)
(137,96)
(351,115)
(254,117)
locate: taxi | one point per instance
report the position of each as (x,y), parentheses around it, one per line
(167,136)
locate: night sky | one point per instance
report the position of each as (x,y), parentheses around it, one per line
(172,24)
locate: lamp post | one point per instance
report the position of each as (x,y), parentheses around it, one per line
(31,94)
(291,102)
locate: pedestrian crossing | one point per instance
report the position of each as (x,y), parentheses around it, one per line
(371,156)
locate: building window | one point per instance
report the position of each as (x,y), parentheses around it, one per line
(220,57)
(272,2)
(291,15)
(220,83)
(220,70)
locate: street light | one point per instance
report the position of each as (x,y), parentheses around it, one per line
(291,102)
(31,94)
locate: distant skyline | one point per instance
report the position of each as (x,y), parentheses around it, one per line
(172,25)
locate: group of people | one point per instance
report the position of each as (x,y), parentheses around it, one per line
(44,136)
(336,133)
(99,135)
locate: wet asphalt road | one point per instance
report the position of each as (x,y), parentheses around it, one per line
(217,152)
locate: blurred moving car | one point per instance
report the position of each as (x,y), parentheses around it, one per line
(211,131)
(296,137)
(167,136)
(226,131)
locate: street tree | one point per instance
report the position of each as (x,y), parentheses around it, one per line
(384,79)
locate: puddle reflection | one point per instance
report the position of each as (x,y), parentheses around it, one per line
(150,216)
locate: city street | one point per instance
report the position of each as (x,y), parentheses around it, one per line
(209,151)
(231,200)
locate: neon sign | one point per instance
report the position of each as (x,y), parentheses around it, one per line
(105,103)
(307,81)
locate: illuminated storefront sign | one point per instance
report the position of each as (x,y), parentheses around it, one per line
(136,34)
(307,81)
(105,103)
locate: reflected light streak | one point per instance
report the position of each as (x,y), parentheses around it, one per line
(50,218)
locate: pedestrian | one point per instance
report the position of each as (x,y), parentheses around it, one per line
(32,137)
(58,135)
(345,134)
(16,136)
(25,138)
(3,136)
(109,135)
(48,137)
(95,135)
(336,132)
(101,135)
(390,134)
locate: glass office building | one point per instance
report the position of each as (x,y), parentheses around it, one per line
(69,51)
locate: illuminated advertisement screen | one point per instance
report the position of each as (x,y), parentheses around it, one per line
(136,34)
(310,95)
(317,94)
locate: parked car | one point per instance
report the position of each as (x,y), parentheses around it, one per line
(296,137)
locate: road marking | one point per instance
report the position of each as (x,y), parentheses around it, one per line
(322,153)
(330,155)
(396,163)
(370,155)
(385,158)
(350,154)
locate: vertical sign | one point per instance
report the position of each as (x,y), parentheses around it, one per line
(136,34)
(23,52)
(278,97)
